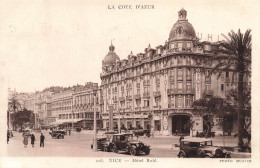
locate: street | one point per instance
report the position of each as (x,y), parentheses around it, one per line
(78,145)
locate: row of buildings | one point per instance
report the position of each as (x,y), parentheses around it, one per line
(155,88)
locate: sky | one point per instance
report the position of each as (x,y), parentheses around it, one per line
(62,43)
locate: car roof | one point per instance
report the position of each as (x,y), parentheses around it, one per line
(196,139)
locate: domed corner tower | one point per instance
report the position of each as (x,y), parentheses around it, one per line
(110,59)
(182,35)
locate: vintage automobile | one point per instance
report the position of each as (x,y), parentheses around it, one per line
(57,134)
(126,143)
(141,132)
(201,148)
(27,132)
(103,143)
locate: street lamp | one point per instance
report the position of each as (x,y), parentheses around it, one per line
(95,88)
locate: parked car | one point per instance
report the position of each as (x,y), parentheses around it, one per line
(201,148)
(57,134)
(126,143)
(103,143)
(141,132)
(27,132)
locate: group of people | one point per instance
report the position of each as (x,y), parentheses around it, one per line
(26,138)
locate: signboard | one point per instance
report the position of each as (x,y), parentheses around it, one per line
(197,84)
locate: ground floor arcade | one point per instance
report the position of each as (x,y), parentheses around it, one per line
(171,122)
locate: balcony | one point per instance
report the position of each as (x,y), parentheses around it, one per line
(172,91)
(128,109)
(121,98)
(157,107)
(146,82)
(129,97)
(121,110)
(146,95)
(137,108)
(137,96)
(146,107)
(157,94)
(209,92)
(180,91)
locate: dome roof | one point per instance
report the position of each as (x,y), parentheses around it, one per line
(111,57)
(182,28)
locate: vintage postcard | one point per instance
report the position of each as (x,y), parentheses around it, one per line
(129,83)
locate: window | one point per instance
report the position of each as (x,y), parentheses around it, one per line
(180,86)
(172,45)
(188,87)
(157,87)
(171,101)
(179,102)
(179,73)
(207,87)
(138,91)
(227,87)
(188,101)
(179,59)
(146,90)
(188,45)
(171,85)
(227,74)
(157,101)
(180,46)
(222,87)
(146,103)
(138,102)
(188,73)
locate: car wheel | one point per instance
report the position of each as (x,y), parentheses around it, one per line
(133,152)
(227,156)
(147,151)
(105,149)
(115,149)
(182,155)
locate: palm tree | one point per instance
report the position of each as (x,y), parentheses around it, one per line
(236,50)
(13,107)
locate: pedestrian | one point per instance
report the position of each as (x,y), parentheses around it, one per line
(42,140)
(249,137)
(69,131)
(25,140)
(8,136)
(32,140)
(182,137)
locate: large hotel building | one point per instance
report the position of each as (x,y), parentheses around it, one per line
(158,87)
(154,89)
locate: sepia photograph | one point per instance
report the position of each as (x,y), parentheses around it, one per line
(129,83)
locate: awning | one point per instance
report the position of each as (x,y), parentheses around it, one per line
(66,121)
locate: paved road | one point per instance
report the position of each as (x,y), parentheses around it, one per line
(78,145)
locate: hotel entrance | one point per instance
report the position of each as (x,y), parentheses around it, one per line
(180,125)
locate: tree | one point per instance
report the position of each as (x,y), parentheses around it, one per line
(13,107)
(23,117)
(236,51)
(233,98)
(209,107)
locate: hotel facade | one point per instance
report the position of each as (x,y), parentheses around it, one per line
(156,88)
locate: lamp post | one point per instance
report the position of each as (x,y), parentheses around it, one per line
(95,88)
